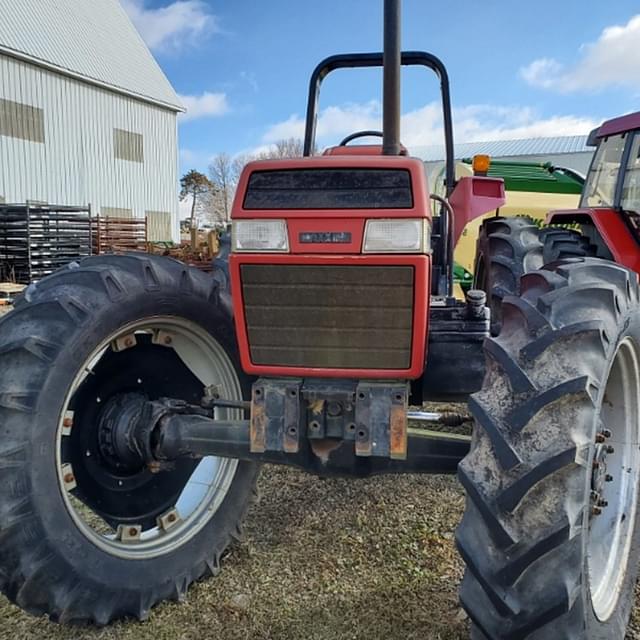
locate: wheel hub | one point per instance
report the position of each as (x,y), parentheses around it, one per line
(600,475)
(119,424)
(108,463)
(121,503)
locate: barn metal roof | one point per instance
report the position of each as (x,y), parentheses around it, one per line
(92,40)
(508,148)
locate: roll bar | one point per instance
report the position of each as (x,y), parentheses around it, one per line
(358,60)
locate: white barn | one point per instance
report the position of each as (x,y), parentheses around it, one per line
(86,114)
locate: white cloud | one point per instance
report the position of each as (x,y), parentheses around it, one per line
(203,106)
(173,26)
(542,72)
(612,60)
(423,126)
(478,123)
(332,121)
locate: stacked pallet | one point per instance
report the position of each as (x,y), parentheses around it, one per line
(35,240)
(8,292)
(116,235)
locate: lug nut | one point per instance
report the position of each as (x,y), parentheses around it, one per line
(600,437)
(608,478)
(595,496)
(610,449)
(606,433)
(596,511)
(603,503)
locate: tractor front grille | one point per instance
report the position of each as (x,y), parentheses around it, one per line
(337,317)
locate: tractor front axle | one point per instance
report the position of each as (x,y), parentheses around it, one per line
(162,431)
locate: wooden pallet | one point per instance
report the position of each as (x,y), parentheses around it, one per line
(8,291)
(8,288)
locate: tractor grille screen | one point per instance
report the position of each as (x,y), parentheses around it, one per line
(343,317)
(329,189)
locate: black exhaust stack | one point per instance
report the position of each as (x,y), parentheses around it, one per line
(391,79)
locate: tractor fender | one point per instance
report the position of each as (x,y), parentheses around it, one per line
(611,228)
(472,197)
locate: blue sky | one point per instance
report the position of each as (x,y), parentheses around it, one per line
(516,69)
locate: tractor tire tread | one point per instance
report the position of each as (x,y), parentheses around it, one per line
(522,531)
(37,576)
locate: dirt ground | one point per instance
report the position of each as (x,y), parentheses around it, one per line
(321,560)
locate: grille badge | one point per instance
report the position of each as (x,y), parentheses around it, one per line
(325,237)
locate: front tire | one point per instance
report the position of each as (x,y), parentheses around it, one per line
(551,531)
(86,536)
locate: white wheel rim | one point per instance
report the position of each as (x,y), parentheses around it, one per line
(611,532)
(209,483)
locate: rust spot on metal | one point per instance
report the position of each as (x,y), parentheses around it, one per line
(316,406)
(398,432)
(324,448)
(364,445)
(124,342)
(69,478)
(67,422)
(258,427)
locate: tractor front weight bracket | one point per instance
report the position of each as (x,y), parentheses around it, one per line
(372,415)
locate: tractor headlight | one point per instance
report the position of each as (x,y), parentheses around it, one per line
(397,236)
(260,235)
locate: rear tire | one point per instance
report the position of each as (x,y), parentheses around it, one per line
(51,560)
(507,248)
(541,563)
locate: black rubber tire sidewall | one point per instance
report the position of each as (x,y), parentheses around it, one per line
(72,557)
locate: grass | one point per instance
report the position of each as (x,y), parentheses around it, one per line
(322,560)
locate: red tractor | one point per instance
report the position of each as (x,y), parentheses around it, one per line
(138,397)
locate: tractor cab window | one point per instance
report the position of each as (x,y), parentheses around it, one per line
(631,186)
(600,188)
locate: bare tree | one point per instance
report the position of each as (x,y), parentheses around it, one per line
(286,148)
(224,173)
(221,174)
